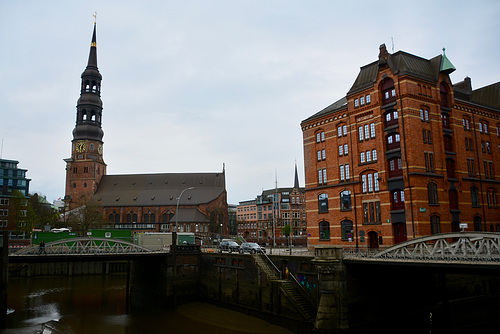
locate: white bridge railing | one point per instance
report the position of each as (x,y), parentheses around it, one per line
(448,247)
(82,246)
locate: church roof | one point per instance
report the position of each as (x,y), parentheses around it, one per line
(190,215)
(159,189)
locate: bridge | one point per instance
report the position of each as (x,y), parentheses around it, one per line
(82,246)
(464,248)
(453,276)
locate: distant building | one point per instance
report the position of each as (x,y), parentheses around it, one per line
(12,179)
(262,219)
(140,202)
(232,219)
(406,153)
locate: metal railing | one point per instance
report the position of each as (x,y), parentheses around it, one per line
(469,247)
(82,246)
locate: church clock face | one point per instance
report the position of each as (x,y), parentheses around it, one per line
(99,149)
(81,147)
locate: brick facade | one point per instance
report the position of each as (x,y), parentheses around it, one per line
(388,162)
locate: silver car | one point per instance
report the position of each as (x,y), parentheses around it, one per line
(251,247)
(229,245)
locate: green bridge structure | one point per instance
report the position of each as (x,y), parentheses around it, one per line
(444,282)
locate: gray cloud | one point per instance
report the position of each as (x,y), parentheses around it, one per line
(188,86)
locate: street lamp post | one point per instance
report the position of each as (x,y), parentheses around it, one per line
(174,231)
(174,245)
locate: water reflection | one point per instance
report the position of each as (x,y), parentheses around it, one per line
(96,304)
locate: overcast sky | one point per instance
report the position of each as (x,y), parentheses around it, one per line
(191,85)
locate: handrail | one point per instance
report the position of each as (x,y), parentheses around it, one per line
(85,245)
(467,247)
(272,263)
(304,291)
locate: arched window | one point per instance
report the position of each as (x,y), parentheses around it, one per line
(323,203)
(347,230)
(388,91)
(370,182)
(432,193)
(453,197)
(474,196)
(345,200)
(324,230)
(443,88)
(87,86)
(167,216)
(435,225)
(320,136)
(114,217)
(466,123)
(131,217)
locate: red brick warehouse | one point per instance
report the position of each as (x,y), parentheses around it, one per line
(406,153)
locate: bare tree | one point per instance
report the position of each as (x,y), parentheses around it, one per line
(87,216)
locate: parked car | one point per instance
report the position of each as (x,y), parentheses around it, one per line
(229,245)
(251,247)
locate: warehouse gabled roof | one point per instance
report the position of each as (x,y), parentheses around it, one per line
(401,63)
(336,106)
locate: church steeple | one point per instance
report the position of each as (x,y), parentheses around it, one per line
(296,182)
(86,166)
(89,105)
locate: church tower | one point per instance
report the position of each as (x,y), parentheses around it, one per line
(86,166)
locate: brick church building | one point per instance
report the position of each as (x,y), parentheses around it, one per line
(406,153)
(141,202)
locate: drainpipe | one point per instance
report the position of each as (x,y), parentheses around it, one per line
(479,172)
(353,188)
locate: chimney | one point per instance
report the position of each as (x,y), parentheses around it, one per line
(382,56)
(468,84)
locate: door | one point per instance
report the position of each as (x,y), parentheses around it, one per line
(373,239)
(399,232)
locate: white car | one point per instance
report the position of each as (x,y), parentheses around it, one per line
(62,229)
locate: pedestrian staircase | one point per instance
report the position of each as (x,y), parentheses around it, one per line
(290,287)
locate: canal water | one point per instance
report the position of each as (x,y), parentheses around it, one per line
(96,304)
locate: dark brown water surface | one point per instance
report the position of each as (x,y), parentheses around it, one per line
(96,304)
